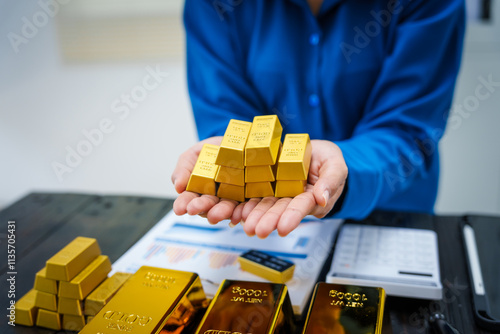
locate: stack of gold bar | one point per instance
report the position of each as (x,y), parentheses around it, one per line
(61,287)
(231,161)
(251,162)
(261,155)
(293,165)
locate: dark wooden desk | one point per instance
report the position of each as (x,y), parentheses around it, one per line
(46,222)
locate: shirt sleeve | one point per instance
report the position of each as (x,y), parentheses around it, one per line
(395,144)
(217,83)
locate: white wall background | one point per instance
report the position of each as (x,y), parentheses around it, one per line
(46,102)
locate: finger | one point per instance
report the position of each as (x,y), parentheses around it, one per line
(237,214)
(182,202)
(220,211)
(260,209)
(185,164)
(299,207)
(270,219)
(248,207)
(201,204)
(332,176)
(320,212)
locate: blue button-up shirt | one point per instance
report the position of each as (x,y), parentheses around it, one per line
(374,76)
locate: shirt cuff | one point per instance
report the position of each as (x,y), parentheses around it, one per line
(364,180)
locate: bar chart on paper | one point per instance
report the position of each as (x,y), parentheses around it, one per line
(190,243)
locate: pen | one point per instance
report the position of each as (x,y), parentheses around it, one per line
(439,325)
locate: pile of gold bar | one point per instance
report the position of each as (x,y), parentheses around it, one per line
(165,301)
(252,162)
(70,289)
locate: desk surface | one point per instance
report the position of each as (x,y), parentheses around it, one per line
(46,222)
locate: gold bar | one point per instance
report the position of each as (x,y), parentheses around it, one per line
(232,147)
(264,141)
(295,158)
(87,279)
(46,301)
(26,311)
(73,322)
(230,175)
(48,319)
(267,266)
(290,188)
(70,260)
(89,318)
(104,292)
(152,299)
(249,307)
(69,306)
(42,283)
(266,173)
(202,179)
(259,189)
(230,191)
(337,308)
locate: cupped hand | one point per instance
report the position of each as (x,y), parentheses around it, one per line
(261,216)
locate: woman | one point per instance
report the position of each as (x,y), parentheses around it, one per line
(371,81)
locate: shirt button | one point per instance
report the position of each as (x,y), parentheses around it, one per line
(314,39)
(313,100)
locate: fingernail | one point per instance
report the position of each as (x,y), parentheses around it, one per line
(231,225)
(326,196)
(242,222)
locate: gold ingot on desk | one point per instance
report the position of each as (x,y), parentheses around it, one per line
(232,147)
(42,283)
(48,319)
(202,179)
(337,308)
(267,266)
(69,306)
(295,157)
(152,300)
(259,189)
(230,175)
(90,277)
(264,141)
(104,292)
(230,191)
(47,301)
(70,260)
(26,311)
(249,307)
(290,188)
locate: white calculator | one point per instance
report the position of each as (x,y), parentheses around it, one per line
(403,261)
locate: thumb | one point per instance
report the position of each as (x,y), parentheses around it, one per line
(331,179)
